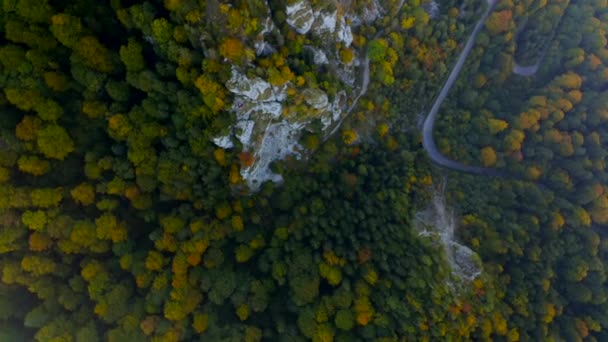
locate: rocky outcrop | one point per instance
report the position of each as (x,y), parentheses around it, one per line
(255,89)
(438,222)
(300,16)
(262,127)
(269,118)
(328,25)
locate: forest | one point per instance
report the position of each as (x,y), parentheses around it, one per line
(253,170)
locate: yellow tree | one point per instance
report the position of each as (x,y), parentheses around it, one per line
(154,261)
(83,194)
(56,81)
(38,265)
(529,120)
(200,322)
(33,165)
(514,140)
(95,55)
(212,92)
(46,197)
(496,125)
(599,210)
(232,49)
(569,81)
(39,242)
(488,156)
(54,142)
(364,310)
(27,128)
(499,22)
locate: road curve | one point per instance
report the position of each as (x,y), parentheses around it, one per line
(531,70)
(428,142)
(526,70)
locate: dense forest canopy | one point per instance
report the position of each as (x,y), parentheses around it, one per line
(253,170)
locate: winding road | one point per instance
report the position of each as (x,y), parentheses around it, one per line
(429,122)
(531,70)
(526,70)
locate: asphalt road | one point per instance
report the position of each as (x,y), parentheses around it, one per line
(429,122)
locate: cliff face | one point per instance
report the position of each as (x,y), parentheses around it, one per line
(439,223)
(300,16)
(271,117)
(269,127)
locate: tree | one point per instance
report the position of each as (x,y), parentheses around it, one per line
(324,333)
(305,288)
(27,128)
(114,303)
(33,165)
(154,261)
(83,194)
(83,234)
(497,126)
(499,21)
(24,99)
(54,142)
(569,81)
(243,253)
(200,322)
(364,310)
(108,228)
(46,197)
(13,57)
(377,50)
(349,136)
(345,319)
(243,312)
(162,31)
(35,220)
(34,11)
(514,140)
(56,81)
(488,156)
(306,322)
(332,274)
(94,54)
(87,332)
(131,56)
(213,93)
(232,49)
(38,266)
(37,317)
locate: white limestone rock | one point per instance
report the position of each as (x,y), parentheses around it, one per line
(325,22)
(244,132)
(255,88)
(224,142)
(316,98)
(344,34)
(300,16)
(318,55)
(279,140)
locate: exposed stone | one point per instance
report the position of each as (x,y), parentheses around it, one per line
(300,16)
(316,98)
(256,88)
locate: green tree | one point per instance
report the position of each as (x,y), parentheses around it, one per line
(54,142)
(131,56)
(345,319)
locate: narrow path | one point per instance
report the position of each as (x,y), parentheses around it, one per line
(364,85)
(526,70)
(364,81)
(427,130)
(531,70)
